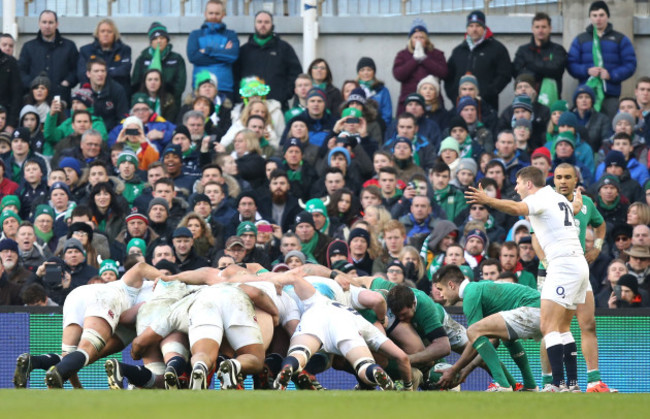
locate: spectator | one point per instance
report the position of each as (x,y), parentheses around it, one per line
(641,235)
(506,150)
(127,164)
(419,222)
(270,58)
(619,58)
(509,259)
(13,265)
(215,48)
(428,129)
(30,118)
(596,123)
(623,143)
(88,151)
(9,292)
(321,77)
(31,253)
(21,153)
(638,265)
(7,43)
(616,165)
(419,59)
(107,212)
(407,126)
(35,295)
(468,86)
(173,64)
(624,123)
(583,152)
(448,197)
(565,147)
(627,294)
(609,202)
(541,58)
(51,53)
(314,244)
(7,186)
(115,53)
(374,89)
(394,235)
(429,89)
(132,135)
(247,232)
(11,90)
(161,101)
(158,131)
(490,63)
(201,233)
(216,117)
(302,85)
(526,98)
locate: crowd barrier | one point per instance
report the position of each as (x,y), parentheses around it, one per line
(623,335)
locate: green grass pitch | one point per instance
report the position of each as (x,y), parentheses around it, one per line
(313,405)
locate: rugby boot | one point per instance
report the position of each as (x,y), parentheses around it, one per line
(282,380)
(496,388)
(114,375)
(600,387)
(23,370)
(307,381)
(383,380)
(198,381)
(53,379)
(228,376)
(172,381)
(550,388)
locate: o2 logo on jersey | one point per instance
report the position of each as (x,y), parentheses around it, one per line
(560,291)
(584,209)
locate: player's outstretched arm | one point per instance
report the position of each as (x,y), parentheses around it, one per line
(374,301)
(439,348)
(478,196)
(138,273)
(362,281)
(391,350)
(577,201)
(143,341)
(448,377)
(262,301)
(201,276)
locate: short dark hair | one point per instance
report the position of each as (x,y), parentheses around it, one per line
(279,173)
(81,210)
(211,166)
(630,99)
(533,174)
(509,275)
(33,293)
(82,112)
(98,163)
(164,181)
(330,170)
(490,262)
(542,16)
(486,181)
(510,245)
(642,79)
(440,167)
(449,273)
(388,169)
(408,115)
(622,136)
(56,17)
(96,60)
(399,298)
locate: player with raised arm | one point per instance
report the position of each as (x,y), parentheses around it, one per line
(342,331)
(567,276)
(566,180)
(505,311)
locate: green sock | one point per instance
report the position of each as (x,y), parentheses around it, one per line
(518,355)
(491,359)
(547,379)
(509,377)
(593,376)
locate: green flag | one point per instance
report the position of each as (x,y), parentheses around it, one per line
(156,61)
(597,83)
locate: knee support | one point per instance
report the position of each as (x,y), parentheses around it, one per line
(175,347)
(68,348)
(361,362)
(299,350)
(94,338)
(156,368)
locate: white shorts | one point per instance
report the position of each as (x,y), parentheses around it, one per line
(287,308)
(567,281)
(522,323)
(456,332)
(97,300)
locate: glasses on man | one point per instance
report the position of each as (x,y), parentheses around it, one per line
(622,239)
(395,271)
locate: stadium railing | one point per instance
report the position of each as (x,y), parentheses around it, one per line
(623,334)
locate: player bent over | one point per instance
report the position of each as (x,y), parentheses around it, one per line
(341,331)
(90,315)
(506,311)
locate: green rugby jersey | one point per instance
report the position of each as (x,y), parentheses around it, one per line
(484,298)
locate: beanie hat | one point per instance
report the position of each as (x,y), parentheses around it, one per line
(608,179)
(10,200)
(246,227)
(465,101)
(336,150)
(468,78)
(366,62)
(7,213)
(597,5)
(127,156)
(73,243)
(418,25)
(476,16)
(615,158)
(133,120)
(158,201)
(157,29)
(84,96)
(622,116)
(559,105)
(449,143)
(468,164)
(60,185)
(138,98)
(541,152)
(457,121)
(108,265)
(136,242)
(315,91)
(522,122)
(72,163)
(397,263)
(182,129)
(583,88)
(135,215)
(293,142)
(316,205)
(630,281)
(205,76)
(569,119)
(304,217)
(337,247)
(359,232)
(81,226)
(357,95)
(526,78)
(402,140)
(43,209)
(172,149)
(567,137)
(414,97)
(41,80)
(523,102)
(296,253)
(21,133)
(430,79)
(8,244)
(479,234)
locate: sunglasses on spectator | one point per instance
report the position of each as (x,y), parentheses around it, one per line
(622,239)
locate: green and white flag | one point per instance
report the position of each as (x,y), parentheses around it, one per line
(597,83)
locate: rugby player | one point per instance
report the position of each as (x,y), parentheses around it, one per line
(567,276)
(493,310)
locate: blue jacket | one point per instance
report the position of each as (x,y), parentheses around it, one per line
(637,171)
(427,128)
(618,56)
(118,62)
(380,94)
(155,122)
(212,39)
(583,152)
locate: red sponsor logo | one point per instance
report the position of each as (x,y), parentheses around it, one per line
(110,313)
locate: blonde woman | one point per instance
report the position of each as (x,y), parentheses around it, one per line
(258,107)
(377,216)
(248,157)
(638,213)
(201,233)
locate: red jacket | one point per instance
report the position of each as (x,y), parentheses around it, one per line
(7,187)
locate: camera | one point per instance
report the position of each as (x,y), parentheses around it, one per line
(53,276)
(617,292)
(132,131)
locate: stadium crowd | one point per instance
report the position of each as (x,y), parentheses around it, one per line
(106,165)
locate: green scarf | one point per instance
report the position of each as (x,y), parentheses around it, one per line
(611,206)
(261,41)
(45,237)
(263,142)
(294,175)
(597,83)
(309,247)
(189,150)
(441,194)
(368,84)
(436,263)
(489,223)
(163,53)
(133,146)
(466,148)
(322,86)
